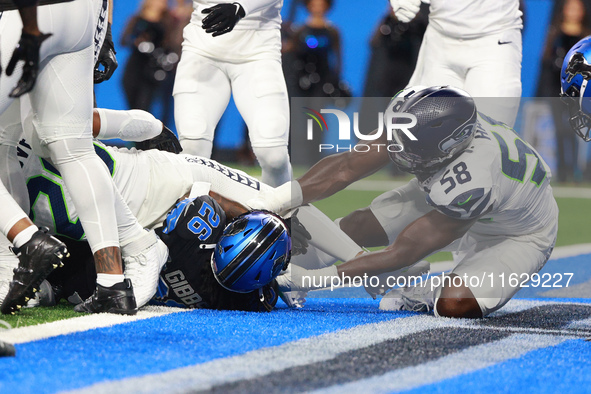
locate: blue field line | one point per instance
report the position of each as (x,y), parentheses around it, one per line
(172,341)
(562,368)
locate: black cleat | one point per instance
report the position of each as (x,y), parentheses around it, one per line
(37,258)
(118,298)
(165,141)
(7,350)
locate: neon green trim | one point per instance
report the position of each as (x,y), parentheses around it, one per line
(462,203)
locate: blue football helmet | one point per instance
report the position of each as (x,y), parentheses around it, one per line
(253,249)
(575,73)
(446,125)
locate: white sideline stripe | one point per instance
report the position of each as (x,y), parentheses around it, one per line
(384,186)
(82,323)
(268,360)
(465,361)
(558,253)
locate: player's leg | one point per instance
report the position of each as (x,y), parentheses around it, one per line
(494,77)
(62,102)
(481,281)
(201,94)
(436,63)
(261,97)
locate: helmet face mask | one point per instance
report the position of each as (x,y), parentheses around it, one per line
(574,76)
(578,120)
(253,249)
(446,124)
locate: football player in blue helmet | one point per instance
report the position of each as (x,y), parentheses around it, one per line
(251,252)
(574,76)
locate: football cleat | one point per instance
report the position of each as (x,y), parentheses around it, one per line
(7,350)
(165,141)
(144,265)
(118,299)
(418,298)
(37,258)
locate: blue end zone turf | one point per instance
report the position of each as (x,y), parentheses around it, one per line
(562,368)
(172,341)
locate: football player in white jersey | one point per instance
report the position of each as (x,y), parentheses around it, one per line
(480,190)
(234,49)
(61,105)
(474,45)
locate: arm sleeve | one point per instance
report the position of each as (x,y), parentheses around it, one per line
(251,6)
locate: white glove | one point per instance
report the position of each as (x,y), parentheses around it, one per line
(278,200)
(405,10)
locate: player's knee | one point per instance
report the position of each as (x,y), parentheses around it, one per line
(459,302)
(275,159)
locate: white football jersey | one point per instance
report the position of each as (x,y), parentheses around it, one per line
(500,179)
(260,14)
(150,182)
(474,18)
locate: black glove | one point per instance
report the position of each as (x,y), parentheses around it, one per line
(106,58)
(27,50)
(222,18)
(165,141)
(299,235)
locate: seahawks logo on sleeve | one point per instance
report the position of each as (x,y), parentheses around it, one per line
(468,205)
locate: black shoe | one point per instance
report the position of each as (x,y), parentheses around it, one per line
(7,350)
(37,258)
(118,298)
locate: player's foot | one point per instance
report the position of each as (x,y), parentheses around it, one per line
(118,298)
(143,262)
(418,298)
(7,350)
(37,258)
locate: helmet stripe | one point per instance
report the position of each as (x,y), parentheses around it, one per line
(266,237)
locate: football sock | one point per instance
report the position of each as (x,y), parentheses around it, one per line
(274,161)
(326,235)
(108,280)
(199,147)
(24,236)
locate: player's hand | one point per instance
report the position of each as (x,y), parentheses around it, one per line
(106,59)
(27,50)
(293,298)
(299,235)
(222,18)
(405,10)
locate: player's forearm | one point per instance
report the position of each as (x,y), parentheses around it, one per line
(426,235)
(330,175)
(28,11)
(251,6)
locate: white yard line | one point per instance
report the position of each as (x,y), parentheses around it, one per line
(82,323)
